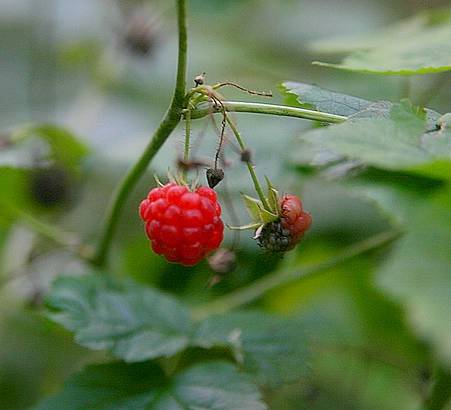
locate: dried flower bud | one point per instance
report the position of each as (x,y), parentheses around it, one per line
(246,155)
(214,176)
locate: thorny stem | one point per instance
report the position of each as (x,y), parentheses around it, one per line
(271,109)
(250,167)
(259,287)
(167,125)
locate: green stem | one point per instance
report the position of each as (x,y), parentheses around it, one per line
(259,287)
(271,109)
(250,167)
(167,125)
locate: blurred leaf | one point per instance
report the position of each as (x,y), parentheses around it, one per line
(342,44)
(143,386)
(66,148)
(418,272)
(419,48)
(271,347)
(401,142)
(13,186)
(311,96)
(134,322)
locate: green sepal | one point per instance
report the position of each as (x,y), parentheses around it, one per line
(257,211)
(273,197)
(267,217)
(253,225)
(253,206)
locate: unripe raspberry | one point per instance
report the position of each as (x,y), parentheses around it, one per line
(284,234)
(182,225)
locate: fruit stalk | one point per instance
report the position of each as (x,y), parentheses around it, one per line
(250,167)
(271,109)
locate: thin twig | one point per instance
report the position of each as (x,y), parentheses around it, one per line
(269,109)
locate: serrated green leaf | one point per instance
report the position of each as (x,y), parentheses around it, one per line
(271,347)
(423,48)
(418,273)
(403,142)
(133,322)
(311,96)
(143,386)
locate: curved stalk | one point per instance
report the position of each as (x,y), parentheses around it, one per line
(250,167)
(167,125)
(271,109)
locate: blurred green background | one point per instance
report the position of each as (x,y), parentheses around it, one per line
(104,70)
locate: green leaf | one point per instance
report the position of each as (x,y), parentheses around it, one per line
(418,273)
(133,322)
(311,96)
(271,347)
(66,148)
(14,186)
(402,142)
(400,30)
(143,386)
(420,48)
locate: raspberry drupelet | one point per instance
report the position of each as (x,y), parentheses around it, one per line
(182,225)
(284,234)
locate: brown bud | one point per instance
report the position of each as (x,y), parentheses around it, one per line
(214,176)
(246,155)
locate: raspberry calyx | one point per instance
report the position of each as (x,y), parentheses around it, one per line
(280,222)
(182,225)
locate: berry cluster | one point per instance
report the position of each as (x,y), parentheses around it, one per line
(283,235)
(182,225)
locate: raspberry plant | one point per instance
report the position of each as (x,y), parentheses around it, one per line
(241,327)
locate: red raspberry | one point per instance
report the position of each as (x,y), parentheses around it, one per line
(284,234)
(182,225)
